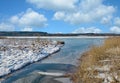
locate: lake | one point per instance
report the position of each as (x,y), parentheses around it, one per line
(64,61)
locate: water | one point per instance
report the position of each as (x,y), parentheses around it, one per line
(63,61)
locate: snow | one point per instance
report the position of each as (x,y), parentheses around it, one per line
(105,74)
(15,53)
(104,68)
(51,73)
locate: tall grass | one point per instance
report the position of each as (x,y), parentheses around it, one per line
(99,56)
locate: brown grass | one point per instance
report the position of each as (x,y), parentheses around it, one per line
(2,37)
(99,56)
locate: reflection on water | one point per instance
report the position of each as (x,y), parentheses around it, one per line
(63,61)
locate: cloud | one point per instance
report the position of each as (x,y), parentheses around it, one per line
(115,29)
(87,30)
(106,20)
(117,21)
(26,20)
(88,5)
(6,27)
(87,11)
(27,29)
(59,16)
(29,18)
(116,25)
(54,4)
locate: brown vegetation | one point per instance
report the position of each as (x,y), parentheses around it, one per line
(101,64)
(2,37)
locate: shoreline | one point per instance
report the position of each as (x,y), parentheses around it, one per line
(56,37)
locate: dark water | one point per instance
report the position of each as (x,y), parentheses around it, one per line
(63,61)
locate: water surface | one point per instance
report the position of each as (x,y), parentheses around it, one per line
(63,61)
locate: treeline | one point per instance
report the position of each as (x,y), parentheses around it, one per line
(14,33)
(86,34)
(23,33)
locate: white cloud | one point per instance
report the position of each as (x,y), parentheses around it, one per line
(88,5)
(87,11)
(106,20)
(115,29)
(117,21)
(29,18)
(59,15)
(27,29)
(87,30)
(6,27)
(54,4)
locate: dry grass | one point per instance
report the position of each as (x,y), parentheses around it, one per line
(2,37)
(107,54)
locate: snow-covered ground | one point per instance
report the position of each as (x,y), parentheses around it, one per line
(17,53)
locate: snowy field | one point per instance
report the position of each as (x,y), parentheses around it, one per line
(17,53)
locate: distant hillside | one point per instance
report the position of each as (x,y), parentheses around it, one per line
(18,33)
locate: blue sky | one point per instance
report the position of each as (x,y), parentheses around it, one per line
(60,16)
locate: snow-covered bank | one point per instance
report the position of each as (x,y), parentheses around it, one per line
(17,53)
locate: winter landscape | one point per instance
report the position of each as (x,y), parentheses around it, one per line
(59,41)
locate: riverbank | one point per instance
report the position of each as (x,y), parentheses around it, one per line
(18,53)
(101,64)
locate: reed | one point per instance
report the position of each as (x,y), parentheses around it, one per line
(99,56)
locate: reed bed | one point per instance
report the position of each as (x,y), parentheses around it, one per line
(101,64)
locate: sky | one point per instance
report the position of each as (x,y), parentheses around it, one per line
(60,16)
